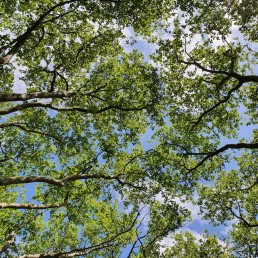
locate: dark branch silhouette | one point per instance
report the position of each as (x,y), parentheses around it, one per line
(69,109)
(24,127)
(235,146)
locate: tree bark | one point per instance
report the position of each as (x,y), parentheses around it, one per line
(29,206)
(4,97)
(57,182)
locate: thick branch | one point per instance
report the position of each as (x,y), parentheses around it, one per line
(29,179)
(17,43)
(73,253)
(29,206)
(4,97)
(20,40)
(224,148)
(239,77)
(60,182)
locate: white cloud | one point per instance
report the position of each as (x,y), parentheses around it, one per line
(170,241)
(194,209)
(225,230)
(19,85)
(128,32)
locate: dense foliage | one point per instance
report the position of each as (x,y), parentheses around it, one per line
(77,175)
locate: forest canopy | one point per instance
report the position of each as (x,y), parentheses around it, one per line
(100,139)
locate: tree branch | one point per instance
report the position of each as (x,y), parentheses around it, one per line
(86,250)
(58,16)
(239,77)
(188,153)
(250,187)
(20,40)
(61,182)
(9,241)
(240,217)
(73,253)
(217,104)
(68,109)
(5,97)
(22,127)
(29,206)
(241,80)
(17,43)
(11,237)
(88,43)
(224,148)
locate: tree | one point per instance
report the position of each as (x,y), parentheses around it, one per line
(211,83)
(71,183)
(186,245)
(76,179)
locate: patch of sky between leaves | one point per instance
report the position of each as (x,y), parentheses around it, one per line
(197,226)
(133,42)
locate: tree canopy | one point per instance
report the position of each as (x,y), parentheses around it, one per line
(78,177)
